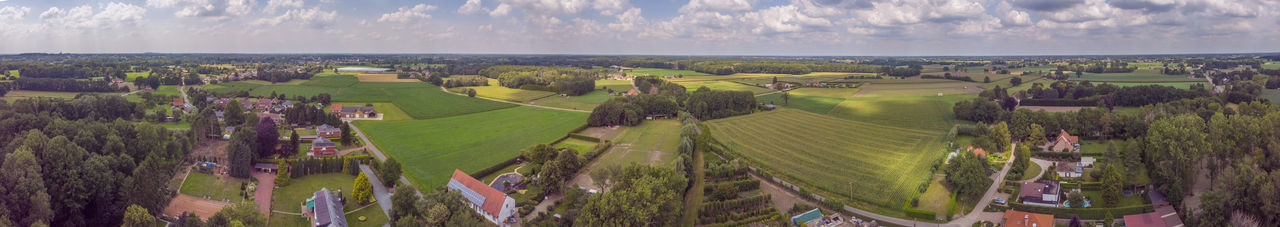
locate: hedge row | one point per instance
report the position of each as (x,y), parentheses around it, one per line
(308,166)
(502,165)
(1059,102)
(1056,155)
(921,214)
(716,207)
(727,216)
(718,173)
(742,185)
(584,137)
(748,221)
(1084,213)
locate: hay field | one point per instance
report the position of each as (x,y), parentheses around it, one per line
(383,77)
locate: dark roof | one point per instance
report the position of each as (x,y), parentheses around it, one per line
(326,128)
(1169,216)
(321,142)
(265,165)
(1157,198)
(1034,191)
(328,209)
(353,109)
(488,199)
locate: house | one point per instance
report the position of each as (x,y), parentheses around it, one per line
(287,104)
(633,92)
(222,101)
(274,117)
(814,218)
(1069,169)
(1164,216)
(323,146)
(265,104)
(226,132)
(335,108)
(325,209)
(1039,193)
(221,115)
(1013,218)
(266,167)
(357,112)
(328,131)
(177,102)
(1065,142)
(978,151)
(488,202)
(248,104)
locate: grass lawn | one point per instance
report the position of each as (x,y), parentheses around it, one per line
(723,86)
(588,101)
(373,213)
(937,197)
(653,142)
(1272,95)
(1033,171)
(579,145)
(1095,196)
(494,91)
(23,94)
(820,105)
(290,198)
(389,112)
(129,77)
(167,90)
(834,154)
(664,72)
(468,142)
(925,112)
(616,85)
(205,185)
(175,125)
(825,92)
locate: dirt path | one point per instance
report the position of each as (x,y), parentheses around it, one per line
(262,196)
(201,207)
(348,151)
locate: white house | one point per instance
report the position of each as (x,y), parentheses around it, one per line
(488,202)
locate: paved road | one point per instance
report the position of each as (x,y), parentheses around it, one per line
(380,193)
(517,103)
(378,154)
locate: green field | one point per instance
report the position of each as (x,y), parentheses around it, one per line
(664,72)
(470,142)
(1033,171)
(289,198)
(834,154)
(925,112)
(1140,75)
(418,100)
(579,145)
(1272,95)
(652,142)
(204,185)
(494,91)
(947,87)
(825,92)
(389,112)
(1182,85)
(814,104)
(23,94)
(1271,65)
(129,77)
(336,81)
(431,102)
(616,85)
(588,101)
(723,86)
(937,198)
(15,73)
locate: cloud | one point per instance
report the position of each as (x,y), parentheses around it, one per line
(1016,18)
(272,5)
(114,15)
(783,19)
(216,9)
(471,7)
(1145,5)
(313,17)
(405,14)
(1046,5)
(716,5)
(13,13)
(501,11)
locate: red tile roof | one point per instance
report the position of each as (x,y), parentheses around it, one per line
(1144,220)
(1013,218)
(1070,138)
(492,197)
(336,107)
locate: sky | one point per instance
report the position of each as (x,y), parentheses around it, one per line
(644,27)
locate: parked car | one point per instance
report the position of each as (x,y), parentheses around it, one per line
(999,201)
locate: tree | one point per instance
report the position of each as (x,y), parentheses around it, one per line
(786,98)
(438,214)
(1177,142)
(1112,183)
(240,153)
(1000,135)
(539,154)
(363,190)
(146,186)
(268,137)
(282,174)
(24,189)
(645,196)
(986,79)
(1015,81)
(561,169)
(390,170)
(1035,136)
(471,92)
(245,212)
(136,216)
(1110,219)
(290,148)
(404,204)
(968,172)
(233,113)
(605,176)
(345,137)
(1075,199)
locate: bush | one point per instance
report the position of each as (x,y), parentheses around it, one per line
(494,168)
(1084,213)
(921,214)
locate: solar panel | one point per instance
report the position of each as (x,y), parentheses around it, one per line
(475,198)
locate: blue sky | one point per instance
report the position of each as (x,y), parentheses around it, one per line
(667,27)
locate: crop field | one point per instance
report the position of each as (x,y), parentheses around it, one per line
(468,142)
(494,91)
(653,142)
(430,102)
(815,104)
(723,86)
(664,72)
(926,113)
(918,89)
(383,77)
(616,85)
(834,154)
(336,81)
(588,101)
(825,92)
(1141,75)
(1182,85)
(419,100)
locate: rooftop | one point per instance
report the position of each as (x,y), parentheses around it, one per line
(488,199)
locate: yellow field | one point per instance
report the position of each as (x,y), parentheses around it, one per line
(494,91)
(382,77)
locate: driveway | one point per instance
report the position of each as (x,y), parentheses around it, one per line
(266,184)
(380,193)
(977,214)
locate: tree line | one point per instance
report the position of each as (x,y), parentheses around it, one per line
(72,85)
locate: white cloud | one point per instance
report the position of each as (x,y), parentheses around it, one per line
(501,11)
(313,17)
(216,9)
(406,14)
(82,17)
(783,19)
(272,5)
(716,5)
(13,13)
(471,7)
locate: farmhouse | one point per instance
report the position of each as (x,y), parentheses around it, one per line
(1039,193)
(325,209)
(327,131)
(1069,169)
(1013,218)
(323,146)
(633,92)
(1065,142)
(488,202)
(177,102)
(353,111)
(265,104)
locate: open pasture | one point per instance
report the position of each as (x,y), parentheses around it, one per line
(815,104)
(918,89)
(419,100)
(834,154)
(335,81)
(1140,75)
(653,142)
(925,112)
(723,86)
(616,85)
(825,92)
(1272,95)
(588,101)
(468,142)
(23,94)
(494,91)
(383,77)
(1271,65)
(1182,85)
(664,72)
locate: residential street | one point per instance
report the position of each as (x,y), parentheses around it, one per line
(380,193)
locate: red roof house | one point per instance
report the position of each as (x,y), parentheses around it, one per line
(487,201)
(1013,218)
(335,108)
(1065,142)
(177,102)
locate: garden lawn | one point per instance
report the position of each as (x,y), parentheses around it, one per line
(588,101)
(723,86)
(202,184)
(925,112)
(937,197)
(820,105)
(579,145)
(652,142)
(175,125)
(616,85)
(470,142)
(373,214)
(495,174)
(1033,171)
(290,198)
(1095,196)
(884,165)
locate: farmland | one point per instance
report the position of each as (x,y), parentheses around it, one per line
(468,142)
(825,92)
(1141,75)
(494,91)
(616,85)
(664,72)
(723,86)
(584,102)
(419,100)
(23,94)
(813,104)
(652,142)
(834,154)
(383,77)
(1182,85)
(927,113)
(389,112)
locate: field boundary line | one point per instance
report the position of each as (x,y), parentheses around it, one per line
(510,102)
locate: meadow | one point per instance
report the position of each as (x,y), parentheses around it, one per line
(1271,65)
(23,94)
(616,85)
(468,142)
(664,72)
(925,112)
(579,145)
(723,86)
(203,185)
(494,91)
(835,155)
(1140,75)
(418,100)
(825,92)
(289,198)
(1272,95)
(815,104)
(1182,85)
(653,142)
(588,101)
